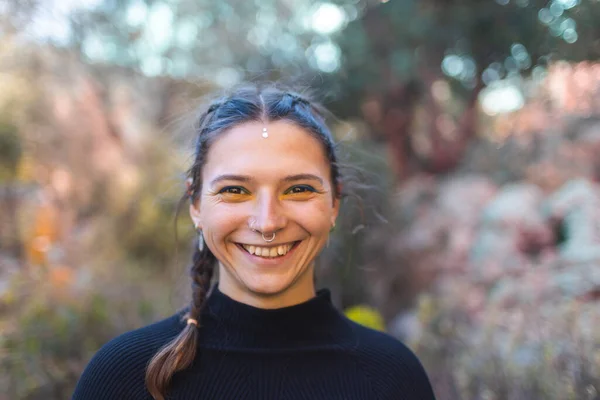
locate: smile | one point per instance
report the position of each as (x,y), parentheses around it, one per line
(268,251)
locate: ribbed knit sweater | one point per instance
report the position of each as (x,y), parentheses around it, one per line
(308,351)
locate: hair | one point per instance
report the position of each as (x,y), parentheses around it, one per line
(245,104)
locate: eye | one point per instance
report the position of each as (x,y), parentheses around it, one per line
(298,189)
(233,190)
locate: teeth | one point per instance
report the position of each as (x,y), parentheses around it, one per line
(268,251)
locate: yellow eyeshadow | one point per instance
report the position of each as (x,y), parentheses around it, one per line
(233,196)
(302,195)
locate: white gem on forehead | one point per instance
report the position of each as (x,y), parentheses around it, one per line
(265,134)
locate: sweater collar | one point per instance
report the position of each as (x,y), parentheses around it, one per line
(231,324)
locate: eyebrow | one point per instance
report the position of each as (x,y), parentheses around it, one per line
(301,177)
(245,178)
(230,177)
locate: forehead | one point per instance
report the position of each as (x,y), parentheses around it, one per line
(289,149)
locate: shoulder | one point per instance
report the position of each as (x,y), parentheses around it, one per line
(117,370)
(395,368)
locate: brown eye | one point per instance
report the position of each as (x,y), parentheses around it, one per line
(300,189)
(232,190)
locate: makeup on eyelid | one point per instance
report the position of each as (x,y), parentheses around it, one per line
(294,190)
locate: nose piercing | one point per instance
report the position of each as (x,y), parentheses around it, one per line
(268,240)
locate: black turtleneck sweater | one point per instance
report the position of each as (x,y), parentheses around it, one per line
(308,351)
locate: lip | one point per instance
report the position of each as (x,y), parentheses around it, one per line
(269,261)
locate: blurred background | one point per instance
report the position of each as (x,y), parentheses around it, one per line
(475,123)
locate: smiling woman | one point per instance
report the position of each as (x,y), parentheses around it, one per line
(264,192)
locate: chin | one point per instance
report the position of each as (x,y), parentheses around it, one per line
(268,287)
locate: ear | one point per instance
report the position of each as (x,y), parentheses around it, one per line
(194,206)
(336,205)
(336,210)
(195,215)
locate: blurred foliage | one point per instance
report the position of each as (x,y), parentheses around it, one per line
(469,40)
(70,222)
(43,353)
(180,38)
(428,62)
(11,151)
(90,173)
(412,48)
(528,363)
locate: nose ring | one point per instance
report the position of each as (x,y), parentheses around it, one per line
(268,240)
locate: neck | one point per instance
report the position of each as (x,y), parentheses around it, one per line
(229,324)
(265,294)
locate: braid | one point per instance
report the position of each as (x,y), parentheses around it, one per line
(201,273)
(283,105)
(181,351)
(298,99)
(213,107)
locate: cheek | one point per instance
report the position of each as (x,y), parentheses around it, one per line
(315,217)
(220,221)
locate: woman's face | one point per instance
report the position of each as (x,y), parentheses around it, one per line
(253,185)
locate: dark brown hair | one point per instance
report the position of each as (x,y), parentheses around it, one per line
(244,104)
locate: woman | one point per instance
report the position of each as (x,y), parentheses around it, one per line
(264,194)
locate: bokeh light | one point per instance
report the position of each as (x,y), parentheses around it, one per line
(50,21)
(325,56)
(570,35)
(567,4)
(328,18)
(545,16)
(137,13)
(501,97)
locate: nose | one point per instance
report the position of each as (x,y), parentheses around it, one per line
(269,215)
